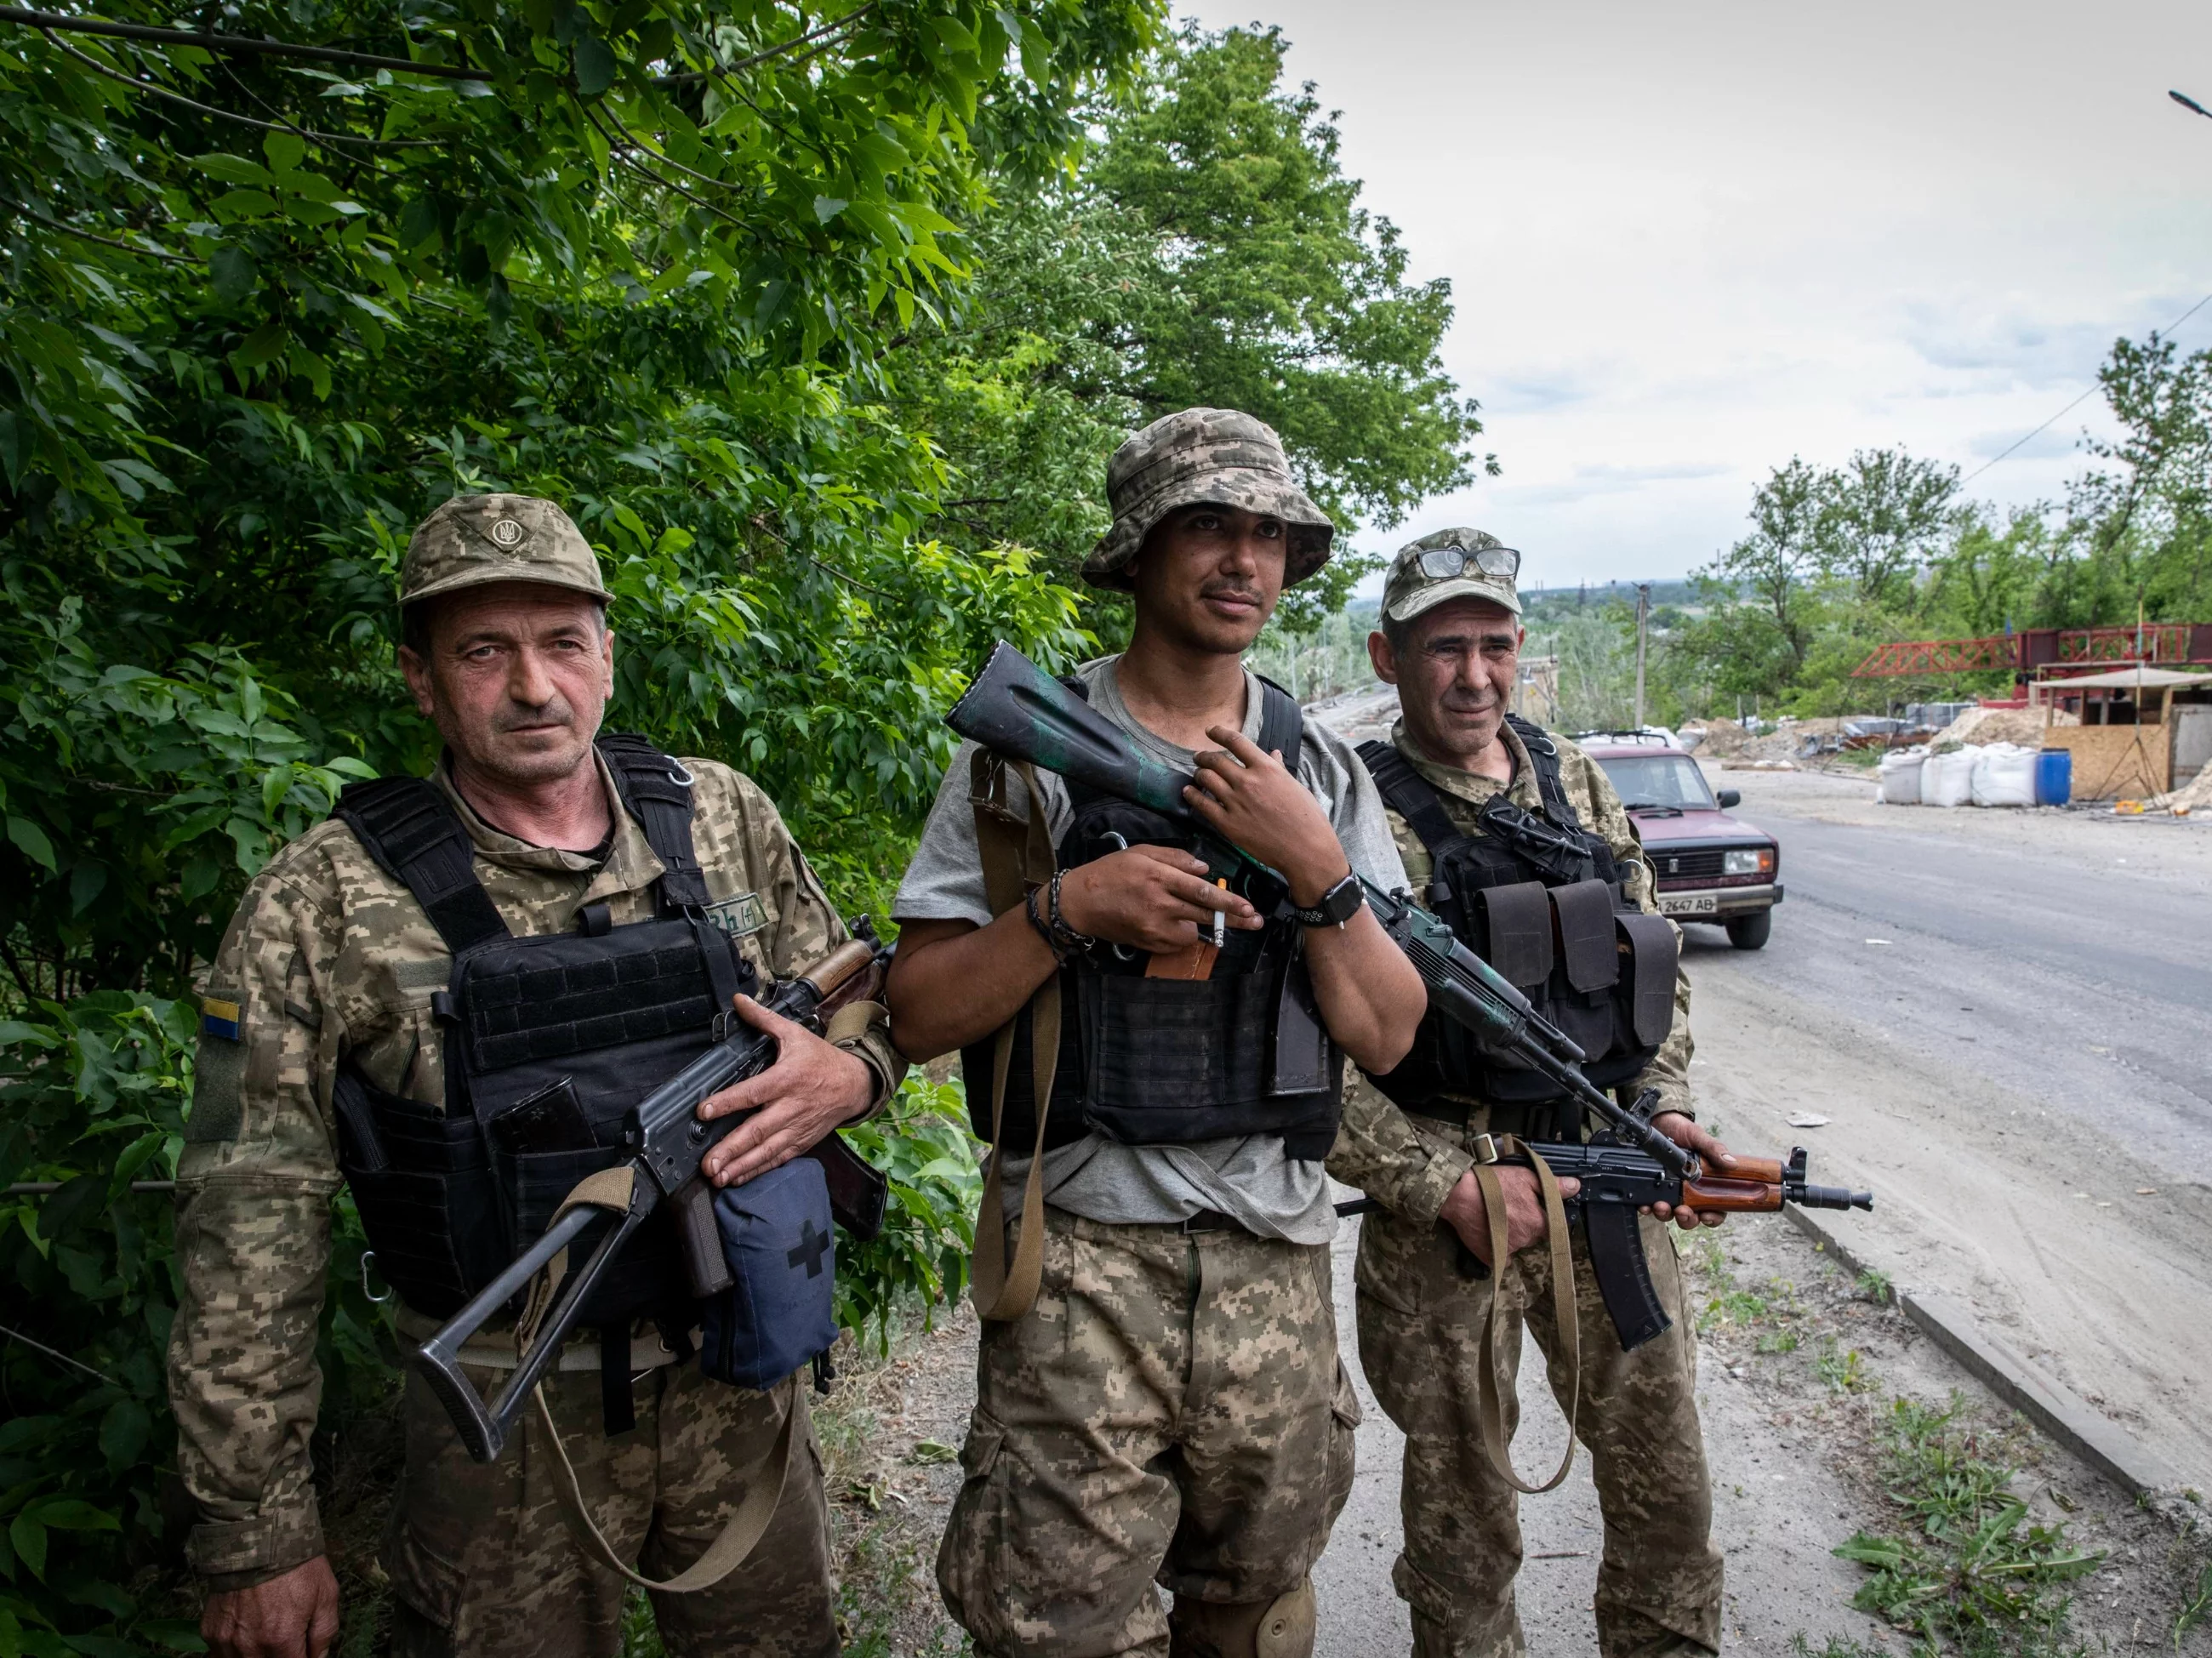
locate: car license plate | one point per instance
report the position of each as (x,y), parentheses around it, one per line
(1688,903)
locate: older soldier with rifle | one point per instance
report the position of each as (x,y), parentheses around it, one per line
(1515,838)
(454,995)
(1155,1060)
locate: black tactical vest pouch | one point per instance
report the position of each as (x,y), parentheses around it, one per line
(1550,919)
(612,1016)
(1155,1061)
(549,1039)
(423,1187)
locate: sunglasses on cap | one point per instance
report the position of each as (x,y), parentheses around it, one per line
(1442,564)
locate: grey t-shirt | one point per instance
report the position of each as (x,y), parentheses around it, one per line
(1249,1177)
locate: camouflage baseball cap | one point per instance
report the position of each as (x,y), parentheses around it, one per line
(473,540)
(1214,455)
(1451,564)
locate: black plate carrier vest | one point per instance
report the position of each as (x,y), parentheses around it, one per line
(1167,1061)
(600,1015)
(1548,914)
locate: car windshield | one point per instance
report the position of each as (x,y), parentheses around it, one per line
(1659,779)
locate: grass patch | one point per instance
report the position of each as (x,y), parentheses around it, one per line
(1967,1572)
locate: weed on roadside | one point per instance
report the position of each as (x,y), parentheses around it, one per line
(2196,1603)
(1838,1646)
(1970,1573)
(1874,1286)
(1844,1372)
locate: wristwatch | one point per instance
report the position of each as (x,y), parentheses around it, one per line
(1337,905)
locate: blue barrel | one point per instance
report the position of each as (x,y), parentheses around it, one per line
(2054,777)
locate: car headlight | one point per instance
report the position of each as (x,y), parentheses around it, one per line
(1748,860)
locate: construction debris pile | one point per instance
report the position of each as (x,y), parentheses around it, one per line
(2020,726)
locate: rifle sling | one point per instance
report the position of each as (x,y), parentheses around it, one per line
(741,1533)
(1490,1408)
(1016,857)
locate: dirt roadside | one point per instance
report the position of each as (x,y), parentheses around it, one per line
(1801,1370)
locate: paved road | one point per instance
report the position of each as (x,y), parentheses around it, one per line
(2013,1043)
(2077,982)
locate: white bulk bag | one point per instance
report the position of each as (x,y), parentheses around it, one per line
(1948,779)
(2004,776)
(1900,777)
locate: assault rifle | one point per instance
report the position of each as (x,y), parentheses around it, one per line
(1017,709)
(669,1140)
(1618,1180)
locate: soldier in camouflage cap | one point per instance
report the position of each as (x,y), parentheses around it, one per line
(473,540)
(329,970)
(1219,456)
(1450,641)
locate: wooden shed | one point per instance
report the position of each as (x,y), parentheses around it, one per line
(2143,730)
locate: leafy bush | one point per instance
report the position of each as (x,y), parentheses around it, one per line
(922,1146)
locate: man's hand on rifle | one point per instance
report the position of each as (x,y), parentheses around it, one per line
(1150,898)
(293,1615)
(809,1089)
(1465,1213)
(1253,801)
(1690,1137)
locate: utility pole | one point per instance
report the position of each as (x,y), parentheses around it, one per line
(1642,622)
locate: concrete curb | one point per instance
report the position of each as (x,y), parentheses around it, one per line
(2071,1420)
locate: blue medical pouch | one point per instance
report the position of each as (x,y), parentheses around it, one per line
(780,1242)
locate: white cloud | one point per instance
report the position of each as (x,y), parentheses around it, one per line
(1688,242)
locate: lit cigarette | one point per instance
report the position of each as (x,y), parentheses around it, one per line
(1221,920)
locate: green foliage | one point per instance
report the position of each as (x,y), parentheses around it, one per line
(763,295)
(1844,1372)
(922,1145)
(1968,1572)
(1882,548)
(93,1098)
(1209,251)
(2195,1605)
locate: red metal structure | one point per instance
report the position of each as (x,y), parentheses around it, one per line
(2168,643)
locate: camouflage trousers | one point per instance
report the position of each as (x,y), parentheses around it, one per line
(1420,1333)
(484,1564)
(1172,1411)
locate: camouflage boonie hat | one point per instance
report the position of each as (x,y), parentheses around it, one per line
(1418,582)
(474,540)
(1214,455)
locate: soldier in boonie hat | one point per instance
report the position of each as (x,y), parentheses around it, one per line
(473,540)
(1221,457)
(1458,563)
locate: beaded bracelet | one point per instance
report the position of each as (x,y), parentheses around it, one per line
(1063,940)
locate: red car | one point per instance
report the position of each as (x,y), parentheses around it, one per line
(1711,867)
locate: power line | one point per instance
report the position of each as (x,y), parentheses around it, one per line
(2077,401)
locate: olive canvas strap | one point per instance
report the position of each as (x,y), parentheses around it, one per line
(748,1523)
(1015,856)
(1490,1408)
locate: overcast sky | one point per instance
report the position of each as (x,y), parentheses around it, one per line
(1688,241)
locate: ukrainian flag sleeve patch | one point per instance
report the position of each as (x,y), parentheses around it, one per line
(219,1017)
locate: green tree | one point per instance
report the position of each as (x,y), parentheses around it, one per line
(1882,517)
(262,312)
(1209,250)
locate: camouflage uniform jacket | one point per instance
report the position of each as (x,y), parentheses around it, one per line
(1380,1149)
(330,957)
